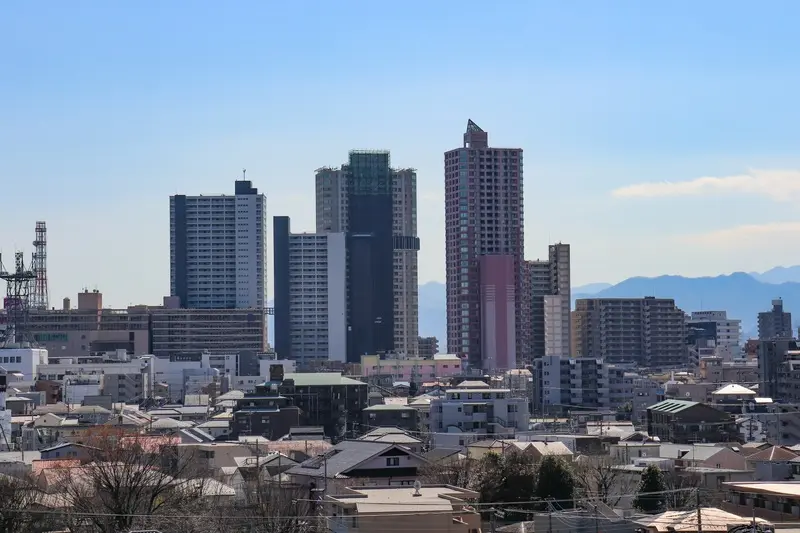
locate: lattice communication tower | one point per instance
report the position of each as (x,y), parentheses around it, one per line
(40,296)
(17,300)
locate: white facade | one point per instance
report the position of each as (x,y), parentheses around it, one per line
(332,216)
(582,381)
(729,331)
(225,249)
(557,306)
(318,296)
(25,361)
(556,325)
(77,388)
(467,414)
(123,381)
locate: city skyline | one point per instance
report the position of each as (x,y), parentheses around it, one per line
(620,121)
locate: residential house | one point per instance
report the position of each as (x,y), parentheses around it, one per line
(703,455)
(775,463)
(394,436)
(358,462)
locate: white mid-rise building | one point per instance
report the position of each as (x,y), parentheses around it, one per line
(473,412)
(25,361)
(561,382)
(728,330)
(310,294)
(218,249)
(181,372)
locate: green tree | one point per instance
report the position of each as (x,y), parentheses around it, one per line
(650,496)
(556,481)
(510,477)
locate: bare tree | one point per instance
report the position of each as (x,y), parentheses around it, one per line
(19,499)
(459,473)
(681,488)
(272,507)
(599,477)
(128,483)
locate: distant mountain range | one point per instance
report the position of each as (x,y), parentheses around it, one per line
(742,295)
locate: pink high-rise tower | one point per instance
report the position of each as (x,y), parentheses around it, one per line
(484,243)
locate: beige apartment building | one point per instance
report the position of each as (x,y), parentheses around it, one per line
(217,331)
(440,508)
(90,329)
(650,332)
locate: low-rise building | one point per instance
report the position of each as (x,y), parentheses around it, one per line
(359,462)
(472,412)
(414,370)
(685,422)
(374,509)
(391,415)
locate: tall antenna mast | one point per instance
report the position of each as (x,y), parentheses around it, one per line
(40,296)
(244,174)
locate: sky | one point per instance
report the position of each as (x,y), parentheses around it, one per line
(659,137)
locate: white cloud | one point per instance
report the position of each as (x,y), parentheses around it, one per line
(746,235)
(779,185)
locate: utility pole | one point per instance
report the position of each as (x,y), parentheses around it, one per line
(549,516)
(596,521)
(699,513)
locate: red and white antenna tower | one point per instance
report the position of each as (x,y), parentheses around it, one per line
(40,296)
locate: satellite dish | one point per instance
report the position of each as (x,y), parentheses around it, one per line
(417,488)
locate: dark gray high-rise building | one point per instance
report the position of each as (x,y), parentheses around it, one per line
(776,323)
(218,249)
(334,215)
(647,331)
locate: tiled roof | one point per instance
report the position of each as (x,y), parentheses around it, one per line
(773,454)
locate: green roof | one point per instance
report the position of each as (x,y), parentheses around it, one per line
(672,406)
(306,379)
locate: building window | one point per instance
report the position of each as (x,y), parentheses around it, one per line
(392,461)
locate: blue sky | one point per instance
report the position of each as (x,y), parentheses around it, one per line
(107,108)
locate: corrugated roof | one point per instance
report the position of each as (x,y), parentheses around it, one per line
(672,406)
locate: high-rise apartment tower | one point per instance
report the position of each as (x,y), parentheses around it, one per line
(648,331)
(310,294)
(484,250)
(218,249)
(334,202)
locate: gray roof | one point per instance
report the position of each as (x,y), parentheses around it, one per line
(342,458)
(437,454)
(306,379)
(689,452)
(389,407)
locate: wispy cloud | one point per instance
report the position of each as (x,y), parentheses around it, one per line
(779,185)
(740,236)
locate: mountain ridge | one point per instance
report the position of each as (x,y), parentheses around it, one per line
(742,294)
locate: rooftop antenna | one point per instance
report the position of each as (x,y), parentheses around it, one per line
(244,174)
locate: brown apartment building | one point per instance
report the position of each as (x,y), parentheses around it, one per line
(650,332)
